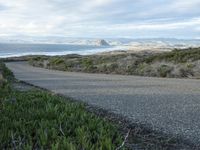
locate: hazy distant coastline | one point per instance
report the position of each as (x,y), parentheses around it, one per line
(58,46)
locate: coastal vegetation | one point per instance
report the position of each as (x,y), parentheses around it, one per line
(184,63)
(31,118)
(37,119)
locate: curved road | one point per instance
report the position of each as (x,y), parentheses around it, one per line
(168,105)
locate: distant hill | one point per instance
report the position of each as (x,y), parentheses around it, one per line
(101,43)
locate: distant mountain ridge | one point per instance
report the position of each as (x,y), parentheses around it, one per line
(172,42)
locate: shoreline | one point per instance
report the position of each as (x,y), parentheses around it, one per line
(92,49)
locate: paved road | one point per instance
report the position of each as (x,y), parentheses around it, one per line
(169,105)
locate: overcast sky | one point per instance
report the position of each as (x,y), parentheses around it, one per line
(101,18)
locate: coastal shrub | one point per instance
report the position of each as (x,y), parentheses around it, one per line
(164,71)
(145,64)
(69,65)
(36,58)
(5,72)
(176,56)
(102,68)
(190,65)
(112,67)
(57,61)
(144,70)
(87,62)
(186,72)
(6,76)
(88,65)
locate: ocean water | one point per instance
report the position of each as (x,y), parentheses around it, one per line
(11,50)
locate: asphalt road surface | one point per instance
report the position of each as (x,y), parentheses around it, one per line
(168,105)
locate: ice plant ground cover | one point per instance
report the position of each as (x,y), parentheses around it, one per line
(37,119)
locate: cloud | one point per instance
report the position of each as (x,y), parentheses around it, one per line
(3,7)
(184,6)
(99,17)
